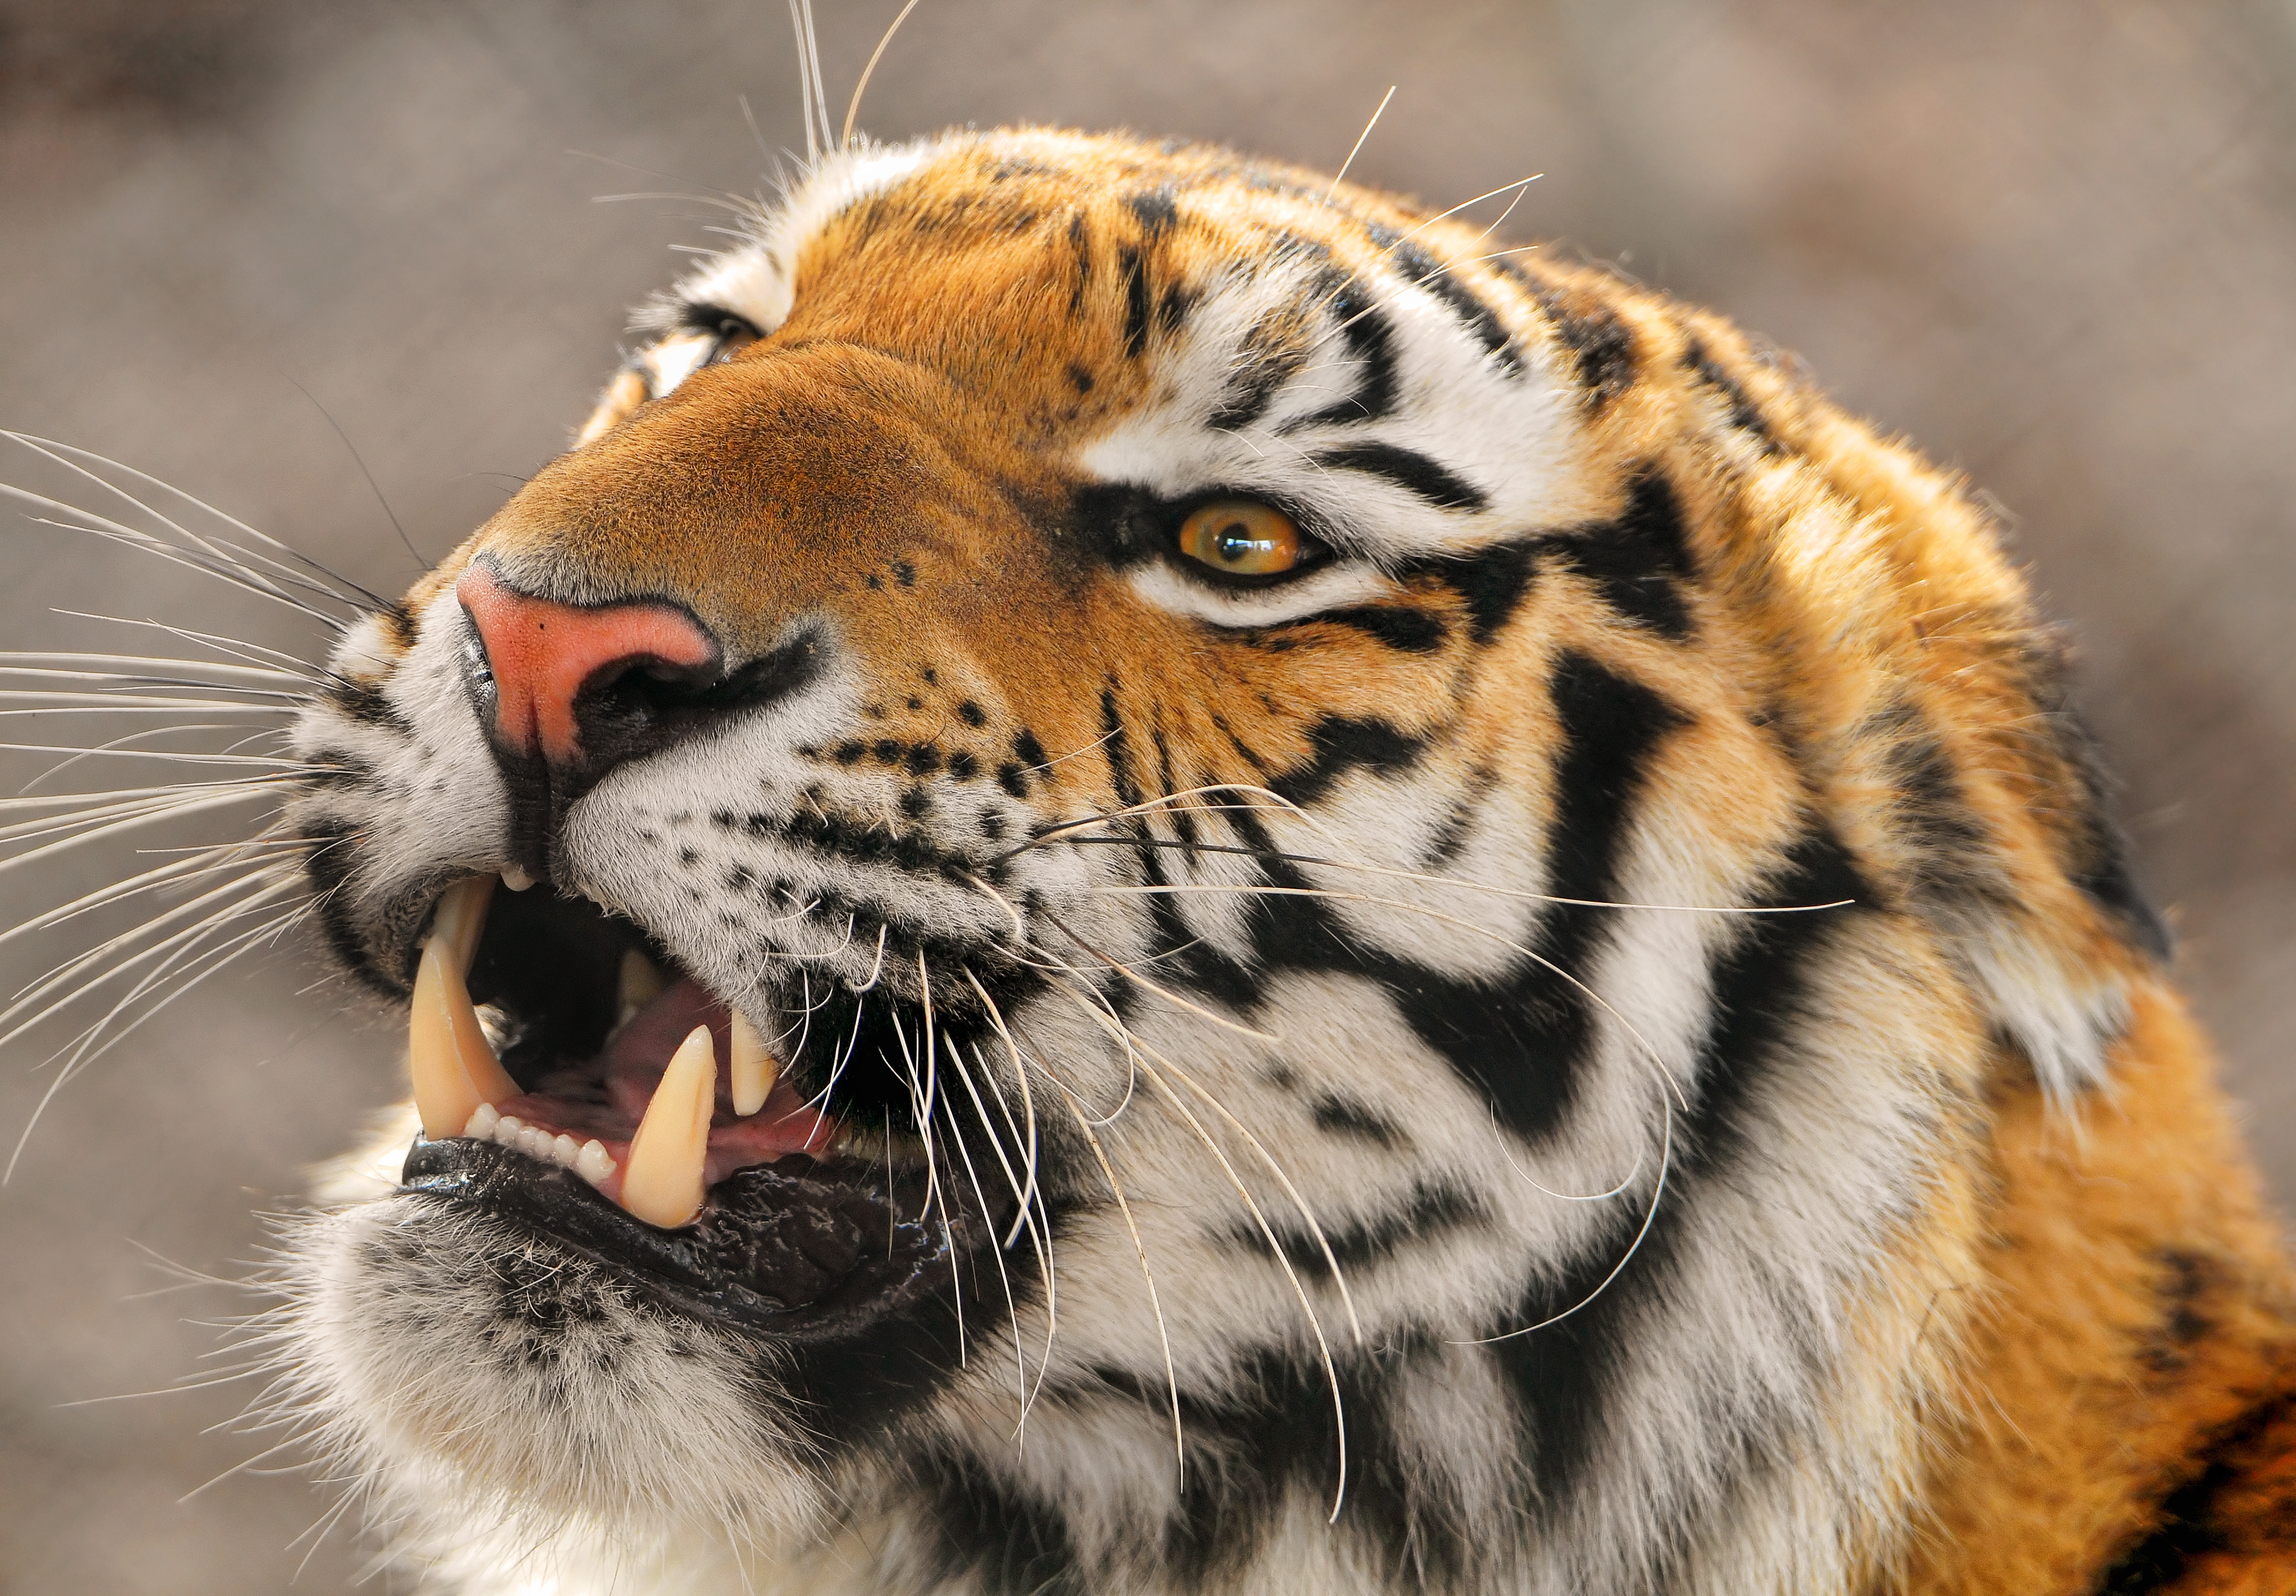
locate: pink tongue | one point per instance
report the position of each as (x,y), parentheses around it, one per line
(633,1067)
(641,1050)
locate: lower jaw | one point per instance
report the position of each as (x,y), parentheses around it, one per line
(796,1250)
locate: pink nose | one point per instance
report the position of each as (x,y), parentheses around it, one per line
(544,656)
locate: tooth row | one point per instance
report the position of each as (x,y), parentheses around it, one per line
(458,1080)
(589,1159)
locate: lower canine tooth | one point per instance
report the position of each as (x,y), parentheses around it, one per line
(751,1066)
(661,1182)
(454,1069)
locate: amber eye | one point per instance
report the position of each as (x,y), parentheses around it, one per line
(1242,537)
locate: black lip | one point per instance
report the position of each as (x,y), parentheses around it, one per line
(796,1250)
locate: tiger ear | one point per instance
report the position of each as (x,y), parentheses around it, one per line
(624,394)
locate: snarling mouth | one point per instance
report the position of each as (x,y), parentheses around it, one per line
(571,1078)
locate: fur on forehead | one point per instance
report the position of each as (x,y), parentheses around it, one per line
(1280,271)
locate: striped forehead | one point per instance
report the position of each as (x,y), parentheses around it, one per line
(1333,354)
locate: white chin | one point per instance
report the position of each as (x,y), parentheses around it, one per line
(502,1404)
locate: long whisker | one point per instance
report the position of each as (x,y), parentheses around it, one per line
(1356,149)
(234,648)
(980,1112)
(1122,1034)
(1561,1196)
(205,508)
(229,561)
(1285,805)
(1166,993)
(1657,1192)
(853,106)
(1140,1250)
(84,1055)
(268,884)
(105,820)
(1468,926)
(16,658)
(1040,1228)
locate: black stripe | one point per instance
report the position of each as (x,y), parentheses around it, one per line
(1155,208)
(1081,238)
(1135,301)
(1600,342)
(1407,469)
(1338,744)
(715,321)
(1518,1041)
(2099,864)
(1182,823)
(398,618)
(1271,1431)
(1491,581)
(1173,306)
(1744,415)
(1950,846)
(1424,271)
(1370,339)
(1346,1117)
(1399,627)
(1639,561)
(1250,394)
(2188,1526)
(1009,1541)
(1566,1374)
(1516,1038)
(329,862)
(1429,1212)
(1270,358)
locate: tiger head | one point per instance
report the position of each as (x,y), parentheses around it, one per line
(1152,875)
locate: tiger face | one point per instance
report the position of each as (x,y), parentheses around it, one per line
(1149,875)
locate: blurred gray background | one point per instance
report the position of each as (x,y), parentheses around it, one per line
(2054,242)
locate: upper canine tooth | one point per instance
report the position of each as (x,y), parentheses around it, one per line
(459,918)
(455,1070)
(752,1067)
(663,1177)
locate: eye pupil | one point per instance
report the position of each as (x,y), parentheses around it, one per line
(1242,537)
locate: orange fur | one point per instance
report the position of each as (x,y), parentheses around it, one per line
(2092,1308)
(2135,1310)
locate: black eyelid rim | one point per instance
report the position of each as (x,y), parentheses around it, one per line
(728,331)
(716,319)
(1317,550)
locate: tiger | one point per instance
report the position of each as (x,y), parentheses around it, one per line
(1152,874)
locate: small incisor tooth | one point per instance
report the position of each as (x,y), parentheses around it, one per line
(663,1177)
(454,1069)
(637,983)
(594,1163)
(752,1067)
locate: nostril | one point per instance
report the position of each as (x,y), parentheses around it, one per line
(543,673)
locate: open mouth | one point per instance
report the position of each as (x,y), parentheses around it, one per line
(571,1078)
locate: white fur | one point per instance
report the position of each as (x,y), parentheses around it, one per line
(659,1464)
